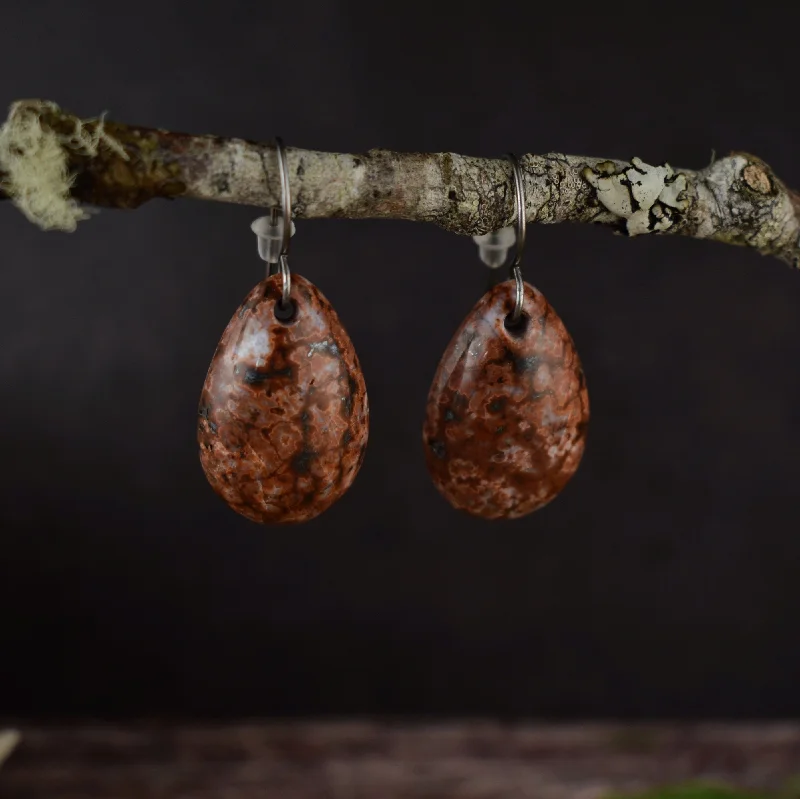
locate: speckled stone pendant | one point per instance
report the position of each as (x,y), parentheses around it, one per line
(283,413)
(508,409)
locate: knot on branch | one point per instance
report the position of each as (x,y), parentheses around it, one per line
(744,203)
(756,176)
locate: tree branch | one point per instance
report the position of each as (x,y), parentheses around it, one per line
(736,199)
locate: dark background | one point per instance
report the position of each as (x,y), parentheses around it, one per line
(664,580)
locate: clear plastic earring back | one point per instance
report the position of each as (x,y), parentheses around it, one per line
(269,230)
(493,247)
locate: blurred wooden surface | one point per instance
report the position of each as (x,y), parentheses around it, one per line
(376,761)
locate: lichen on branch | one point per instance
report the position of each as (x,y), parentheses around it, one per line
(36,160)
(53,164)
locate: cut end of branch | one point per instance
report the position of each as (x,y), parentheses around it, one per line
(35,160)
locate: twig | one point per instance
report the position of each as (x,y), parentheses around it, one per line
(736,199)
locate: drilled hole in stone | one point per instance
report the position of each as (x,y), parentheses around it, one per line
(519,327)
(286,313)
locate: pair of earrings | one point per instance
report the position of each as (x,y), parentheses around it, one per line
(283,415)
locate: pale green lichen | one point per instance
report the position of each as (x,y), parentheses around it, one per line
(35,161)
(644,195)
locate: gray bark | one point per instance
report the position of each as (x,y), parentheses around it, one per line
(736,199)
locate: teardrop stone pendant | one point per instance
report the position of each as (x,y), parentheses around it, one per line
(508,409)
(283,413)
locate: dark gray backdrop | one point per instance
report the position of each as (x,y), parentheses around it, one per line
(663,582)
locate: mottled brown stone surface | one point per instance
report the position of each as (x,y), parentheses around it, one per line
(508,410)
(283,415)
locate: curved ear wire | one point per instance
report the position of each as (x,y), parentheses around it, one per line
(493,247)
(286,202)
(516,270)
(278,228)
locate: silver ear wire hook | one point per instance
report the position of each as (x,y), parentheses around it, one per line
(493,247)
(516,270)
(286,202)
(274,231)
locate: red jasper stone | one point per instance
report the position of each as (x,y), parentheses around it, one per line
(283,413)
(508,409)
